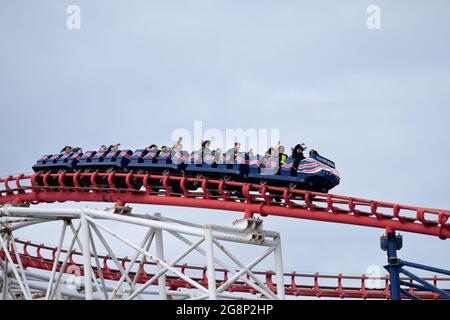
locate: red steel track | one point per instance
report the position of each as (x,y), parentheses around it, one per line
(214,194)
(301,284)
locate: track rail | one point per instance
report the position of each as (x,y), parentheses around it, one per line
(300,284)
(217,194)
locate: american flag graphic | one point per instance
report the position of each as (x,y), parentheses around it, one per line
(125,155)
(271,164)
(287,165)
(182,156)
(151,154)
(241,160)
(310,165)
(138,153)
(55,157)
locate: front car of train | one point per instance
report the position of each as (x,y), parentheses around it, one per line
(318,172)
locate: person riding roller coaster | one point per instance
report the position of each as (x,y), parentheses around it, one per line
(68,149)
(152,147)
(205,148)
(297,154)
(232,153)
(113,147)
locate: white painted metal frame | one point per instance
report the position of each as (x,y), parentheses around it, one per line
(16,282)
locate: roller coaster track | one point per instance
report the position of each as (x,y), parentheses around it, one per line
(250,199)
(122,188)
(301,284)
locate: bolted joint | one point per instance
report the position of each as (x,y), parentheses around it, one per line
(394,261)
(391,240)
(123,210)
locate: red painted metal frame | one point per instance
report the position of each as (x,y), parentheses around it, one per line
(256,199)
(301,284)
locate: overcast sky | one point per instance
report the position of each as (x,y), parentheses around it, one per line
(374,101)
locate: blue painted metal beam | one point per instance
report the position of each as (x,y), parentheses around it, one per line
(424,283)
(424,267)
(409,294)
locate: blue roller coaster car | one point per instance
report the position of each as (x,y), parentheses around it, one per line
(315,173)
(56,162)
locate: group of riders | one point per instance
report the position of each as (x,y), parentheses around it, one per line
(277,151)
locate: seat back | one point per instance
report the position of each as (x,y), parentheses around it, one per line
(138,156)
(180,157)
(150,157)
(86,158)
(287,168)
(196,158)
(269,166)
(98,157)
(164,157)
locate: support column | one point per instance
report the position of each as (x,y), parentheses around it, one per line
(279,270)
(160,255)
(391,243)
(210,263)
(86,257)
(5,277)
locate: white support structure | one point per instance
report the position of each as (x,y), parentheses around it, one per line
(86,257)
(210,263)
(98,236)
(160,254)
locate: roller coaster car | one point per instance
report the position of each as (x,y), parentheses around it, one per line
(155,162)
(316,173)
(218,166)
(234,168)
(58,162)
(141,159)
(106,161)
(164,162)
(86,159)
(169,161)
(267,171)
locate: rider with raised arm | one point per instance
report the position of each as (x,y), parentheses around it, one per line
(113,147)
(232,152)
(205,149)
(297,154)
(152,147)
(178,145)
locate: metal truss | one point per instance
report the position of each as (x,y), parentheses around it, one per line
(87,280)
(391,243)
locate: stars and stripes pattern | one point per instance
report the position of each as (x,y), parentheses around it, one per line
(311,166)
(139,154)
(125,155)
(151,154)
(88,155)
(179,155)
(255,162)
